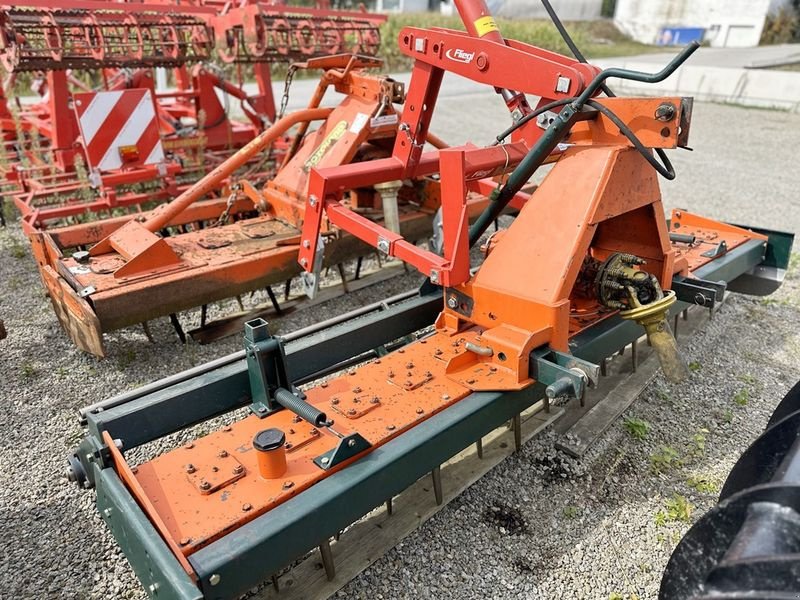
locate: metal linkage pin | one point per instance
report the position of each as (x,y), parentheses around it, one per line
(436,475)
(327,559)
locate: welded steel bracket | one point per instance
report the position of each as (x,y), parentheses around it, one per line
(266,367)
(563,374)
(699,291)
(347,448)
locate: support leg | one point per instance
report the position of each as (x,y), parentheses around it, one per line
(274,301)
(327,559)
(176,325)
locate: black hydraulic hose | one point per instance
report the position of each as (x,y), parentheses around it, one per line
(559,128)
(528,117)
(665,170)
(573,47)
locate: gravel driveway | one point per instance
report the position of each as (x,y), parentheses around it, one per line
(579,529)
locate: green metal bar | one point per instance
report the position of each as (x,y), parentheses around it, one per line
(154,564)
(226,386)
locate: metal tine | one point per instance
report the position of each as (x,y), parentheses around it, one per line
(635,355)
(148,334)
(343,276)
(685,314)
(274,300)
(287,288)
(176,325)
(359,262)
(479,447)
(241,304)
(327,559)
(675,326)
(275,583)
(517,421)
(436,475)
(389,507)
(604,367)
(203,315)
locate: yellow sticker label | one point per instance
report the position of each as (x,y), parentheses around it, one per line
(485,25)
(330,139)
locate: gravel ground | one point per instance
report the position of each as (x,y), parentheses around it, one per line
(539,525)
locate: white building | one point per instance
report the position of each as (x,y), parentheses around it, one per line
(568,10)
(727,23)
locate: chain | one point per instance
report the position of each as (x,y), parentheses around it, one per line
(286,85)
(223,218)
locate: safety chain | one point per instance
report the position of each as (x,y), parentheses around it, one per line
(286,85)
(223,218)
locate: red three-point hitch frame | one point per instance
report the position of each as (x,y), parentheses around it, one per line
(513,69)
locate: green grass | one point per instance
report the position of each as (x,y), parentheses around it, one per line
(665,459)
(571,512)
(596,39)
(637,428)
(695,366)
(675,509)
(742,397)
(703,484)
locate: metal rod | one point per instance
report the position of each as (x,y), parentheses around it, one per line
(389,507)
(176,325)
(274,300)
(327,559)
(635,355)
(517,424)
(479,447)
(436,475)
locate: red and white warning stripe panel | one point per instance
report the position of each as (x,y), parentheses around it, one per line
(119,129)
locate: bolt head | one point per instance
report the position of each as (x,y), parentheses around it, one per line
(223,453)
(351,443)
(247,507)
(452,302)
(214,579)
(287,485)
(312,200)
(325,460)
(190,468)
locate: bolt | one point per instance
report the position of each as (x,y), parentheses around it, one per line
(351,443)
(334,401)
(420,411)
(306,244)
(227,428)
(401,351)
(204,485)
(262,409)
(288,445)
(438,352)
(287,485)
(391,374)
(304,262)
(153,588)
(351,411)
(185,541)
(190,468)
(247,507)
(189,445)
(377,361)
(470,381)
(296,419)
(324,384)
(452,302)
(238,470)
(391,427)
(665,112)
(214,579)
(356,400)
(135,470)
(445,396)
(492,368)
(313,431)
(375,400)
(356,390)
(325,460)
(408,383)
(223,454)
(312,200)
(409,365)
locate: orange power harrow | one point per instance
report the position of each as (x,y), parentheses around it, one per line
(392,391)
